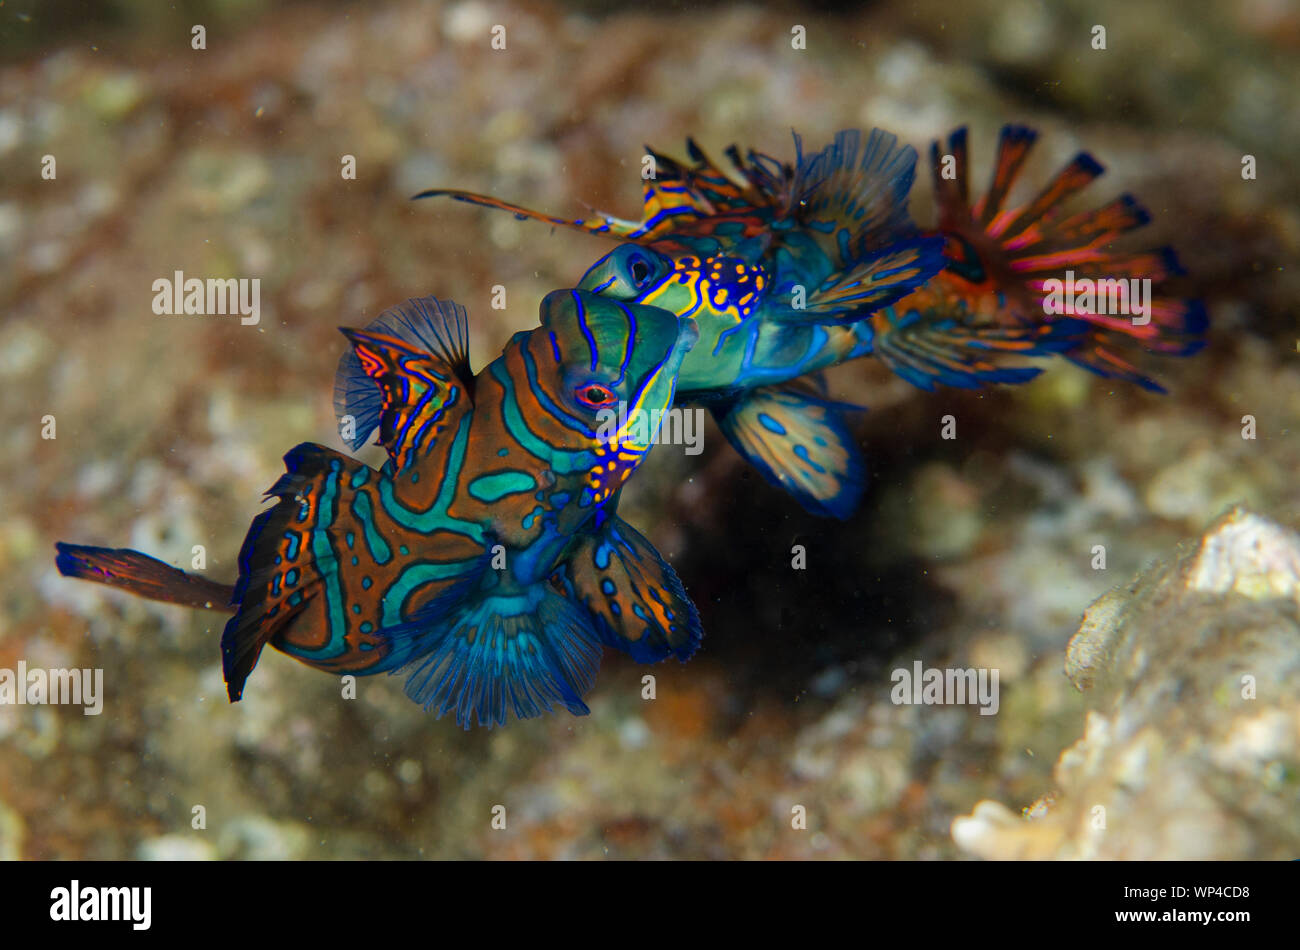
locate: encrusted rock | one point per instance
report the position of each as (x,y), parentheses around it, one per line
(1192,746)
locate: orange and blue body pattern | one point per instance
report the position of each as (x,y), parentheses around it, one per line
(485,560)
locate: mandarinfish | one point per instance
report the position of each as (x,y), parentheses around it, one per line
(485,559)
(790,269)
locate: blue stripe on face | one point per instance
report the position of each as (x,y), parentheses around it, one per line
(726,334)
(586,330)
(648,380)
(631,340)
(555,346)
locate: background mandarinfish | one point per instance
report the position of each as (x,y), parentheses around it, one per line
(792,268)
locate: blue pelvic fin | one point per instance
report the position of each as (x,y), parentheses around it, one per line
(798,440)
(878,280)
(405,374)
(141,575)
(524,653)
(636,598)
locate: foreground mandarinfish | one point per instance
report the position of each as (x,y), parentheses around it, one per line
(485,558)
(796,268)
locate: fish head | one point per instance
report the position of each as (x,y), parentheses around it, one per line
(719,292)
(609,369)
(628,272)
(610,355)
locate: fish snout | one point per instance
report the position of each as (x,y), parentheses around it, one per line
(688,333)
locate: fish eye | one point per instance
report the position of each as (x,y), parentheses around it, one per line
(626,272)
(595,395)
(640,270)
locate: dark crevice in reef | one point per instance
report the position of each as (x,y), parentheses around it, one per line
(776,629)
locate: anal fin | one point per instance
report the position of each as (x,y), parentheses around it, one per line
(523,653)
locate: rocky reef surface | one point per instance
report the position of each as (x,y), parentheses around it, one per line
(1191,746)
(783,737)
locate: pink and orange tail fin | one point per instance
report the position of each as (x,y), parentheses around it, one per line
(143,576)
(1012,252)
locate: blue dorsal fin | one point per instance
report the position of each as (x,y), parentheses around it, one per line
(439,328)
(854,193)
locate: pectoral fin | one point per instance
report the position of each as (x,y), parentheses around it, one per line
(932,342)
(637,600)
(798,440)
(864,287)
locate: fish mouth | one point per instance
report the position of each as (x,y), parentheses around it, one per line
(688,334)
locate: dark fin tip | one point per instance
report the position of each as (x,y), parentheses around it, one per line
(1139,211)
(1198,321)
(1019,133)
(1088,162)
